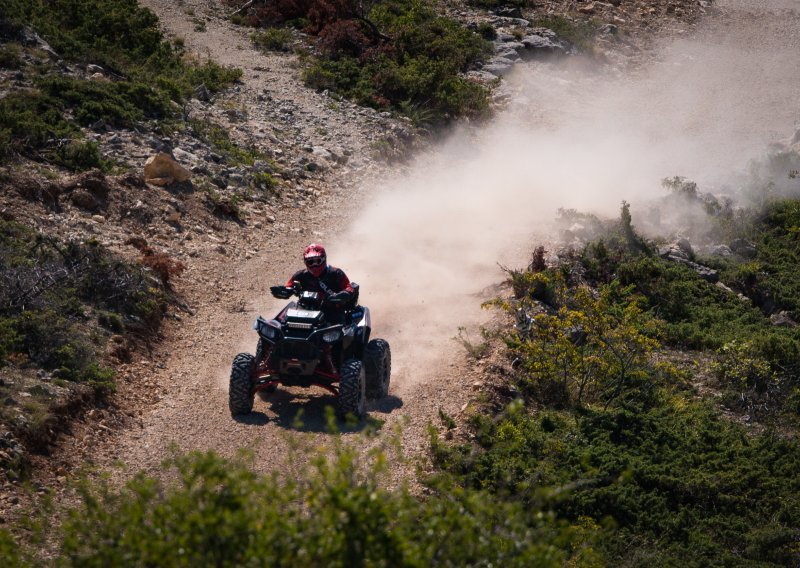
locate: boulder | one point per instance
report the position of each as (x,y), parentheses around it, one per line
(185,156)
(543,42)
(29,37)
(498,66)
(673,252)
(706,273)
(162,169)
(508,52)
(681,252)
(721,250)
(744,248)
(508,11)
(782,319)
(85,200)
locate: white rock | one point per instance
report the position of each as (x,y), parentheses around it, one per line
(185,156)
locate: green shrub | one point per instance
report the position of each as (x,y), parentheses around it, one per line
(591,347)
(219,139)
(272,39)
(396,55)
(338,514)
(740,366)
(671,484)
(49,290)
(772,280)
(487,31)
(78,156)
(11,56)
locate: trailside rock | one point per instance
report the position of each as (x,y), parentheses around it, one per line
(744,248)
(162,169)
(721,250)
(782,319)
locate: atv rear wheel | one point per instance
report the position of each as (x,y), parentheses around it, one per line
(378,368)
(352,390)
(240,389)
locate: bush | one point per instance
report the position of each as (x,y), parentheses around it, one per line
(585,347)
(49,290)
(338,514)
(670,484)
(392,55)
(273,39)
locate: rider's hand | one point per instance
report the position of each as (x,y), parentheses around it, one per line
(339,298)
(281,292)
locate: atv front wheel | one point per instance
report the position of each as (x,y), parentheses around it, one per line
(352,390)
(378,368)
(260,351)
(240,389)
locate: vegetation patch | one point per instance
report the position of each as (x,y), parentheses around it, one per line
(339,514)
(259,171)
(141,76)
(664,477)
(394,55)
(272,39)
(220,141)
(52,291)
(664,483)
(60,304)
(699,315)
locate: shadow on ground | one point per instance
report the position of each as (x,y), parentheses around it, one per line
(309,412)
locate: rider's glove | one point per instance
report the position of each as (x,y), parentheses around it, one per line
(339,298)
(281,292)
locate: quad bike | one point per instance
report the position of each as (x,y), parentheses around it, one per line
(302,346)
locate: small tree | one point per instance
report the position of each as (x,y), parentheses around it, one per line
(590,348)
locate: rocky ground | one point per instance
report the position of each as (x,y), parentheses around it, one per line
(326,154)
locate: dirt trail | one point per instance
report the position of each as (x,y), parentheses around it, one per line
(192,363)
(437,221)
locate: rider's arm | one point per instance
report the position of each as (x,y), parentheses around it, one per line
(294,278)
(344,283)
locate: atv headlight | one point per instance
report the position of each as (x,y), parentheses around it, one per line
(332,336)
(267,329)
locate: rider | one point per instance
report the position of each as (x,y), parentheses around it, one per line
(332,283)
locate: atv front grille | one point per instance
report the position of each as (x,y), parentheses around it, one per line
(298,349)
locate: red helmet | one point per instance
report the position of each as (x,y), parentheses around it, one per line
(315,258)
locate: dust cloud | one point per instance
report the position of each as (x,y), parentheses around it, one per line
(573,136)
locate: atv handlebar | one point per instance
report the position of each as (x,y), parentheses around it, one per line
(282,292)
(286,292)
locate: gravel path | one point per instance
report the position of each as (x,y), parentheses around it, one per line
(402,233)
